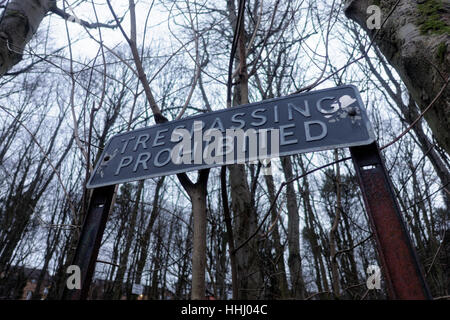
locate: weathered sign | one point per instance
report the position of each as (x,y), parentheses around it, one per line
(319,120)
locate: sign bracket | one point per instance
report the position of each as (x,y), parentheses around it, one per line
(403,273)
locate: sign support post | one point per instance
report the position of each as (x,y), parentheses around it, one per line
(403,275)
(90,240)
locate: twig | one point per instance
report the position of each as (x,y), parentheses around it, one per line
(46,157)
(435,255)
(309,87)
(159,118)
(197,70)
(357,59)
(66,16)
(53,226)
(106,262)
(72,102)
(419,117)
(233,49)
(283,184)
(353,247)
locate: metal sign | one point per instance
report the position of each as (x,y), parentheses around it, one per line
(313,121)
(319,120)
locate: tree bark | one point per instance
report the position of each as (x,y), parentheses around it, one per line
(230,236)
(145,241)
(410,113)
(249,275)
(198,198)
(415,41)
(197,194)
(333,233)
(130,233)
(311,234)
(294,260)
(19,22)
(279,250)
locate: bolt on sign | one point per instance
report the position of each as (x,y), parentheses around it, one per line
(319,120)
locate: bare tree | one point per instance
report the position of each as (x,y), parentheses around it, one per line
(414,39)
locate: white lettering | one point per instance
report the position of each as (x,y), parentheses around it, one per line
(305,112)
(284,134)
(124,162)
(158,136)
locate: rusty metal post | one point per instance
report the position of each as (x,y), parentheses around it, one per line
(90,240)
(403,274)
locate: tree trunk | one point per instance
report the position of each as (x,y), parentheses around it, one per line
(19,22)
(198,198)
(311,234)
(197,194)
(153,294)
(247,259)
(415,42)
(145,241)
(410,113)
(334,233)
(130,233)
(279,250)
(294,260)
(249,281)
(230,233)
